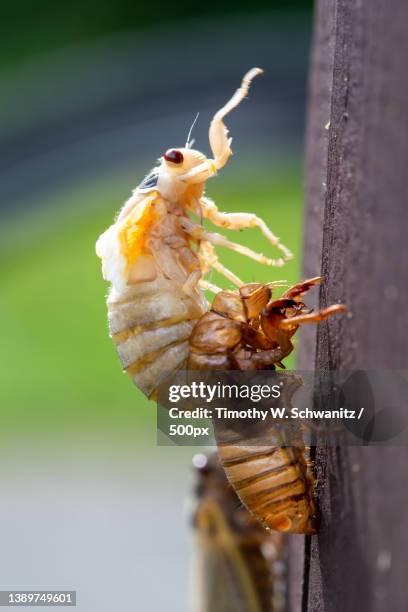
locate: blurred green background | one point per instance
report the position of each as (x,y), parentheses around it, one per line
(92,94)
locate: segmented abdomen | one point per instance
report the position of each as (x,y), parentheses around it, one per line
(150,323)
(275,483)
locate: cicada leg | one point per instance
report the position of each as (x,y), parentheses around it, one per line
(218,134)
(238,221)
(313,317)
(220,143)
(190,286)
(203,284)
(199,233)
(209,259)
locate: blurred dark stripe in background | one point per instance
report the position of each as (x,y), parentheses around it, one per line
(127,96)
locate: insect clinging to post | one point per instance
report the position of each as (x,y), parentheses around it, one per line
(247,330)
(155,255)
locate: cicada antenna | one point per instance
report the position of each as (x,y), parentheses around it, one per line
(189,142)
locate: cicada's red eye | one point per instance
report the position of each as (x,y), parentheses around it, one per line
(174,156)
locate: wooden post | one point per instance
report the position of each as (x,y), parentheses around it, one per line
(357,237)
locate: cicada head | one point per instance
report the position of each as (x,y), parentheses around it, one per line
(179,161)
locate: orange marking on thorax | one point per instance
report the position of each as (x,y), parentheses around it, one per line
(135,230)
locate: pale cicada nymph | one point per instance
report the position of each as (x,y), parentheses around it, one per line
(247,330)
(156,255)
(239,566)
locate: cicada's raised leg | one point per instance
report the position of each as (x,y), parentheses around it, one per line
(199,233)
(218,135)
(209,260)
(238,221)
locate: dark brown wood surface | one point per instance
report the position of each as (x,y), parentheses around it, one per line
(356,236)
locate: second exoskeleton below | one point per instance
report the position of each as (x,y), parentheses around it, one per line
(248,330)
(239,566)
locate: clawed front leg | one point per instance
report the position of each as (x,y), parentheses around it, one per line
(313,317)
(238,221)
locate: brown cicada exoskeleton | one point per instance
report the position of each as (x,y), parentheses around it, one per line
(239,566)
(247,330)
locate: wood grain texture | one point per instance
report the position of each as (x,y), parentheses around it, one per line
(357,220)
(318,115)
